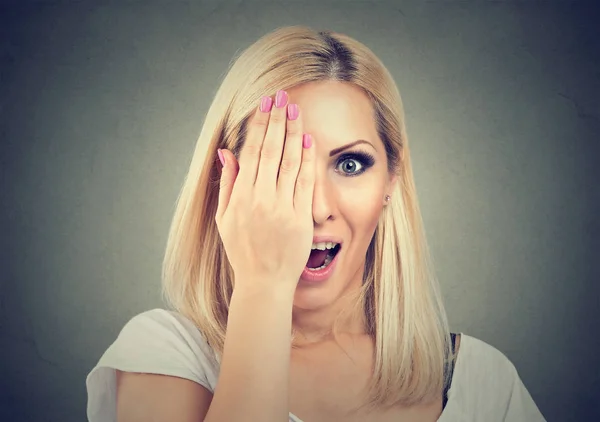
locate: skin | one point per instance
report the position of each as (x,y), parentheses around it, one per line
(337,114)
(326,375)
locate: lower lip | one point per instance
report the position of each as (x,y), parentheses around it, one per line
(321,275)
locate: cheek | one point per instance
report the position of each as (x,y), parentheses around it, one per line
(361,205)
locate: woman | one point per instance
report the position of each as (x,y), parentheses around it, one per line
(297,265)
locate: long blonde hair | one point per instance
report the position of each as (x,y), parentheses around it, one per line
(400,294)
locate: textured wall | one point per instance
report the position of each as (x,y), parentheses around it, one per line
(101,104)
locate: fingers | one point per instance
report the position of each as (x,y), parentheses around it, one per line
(272,148)
(250,154)
(305,182)
(228,177)
(276,160)
(292,155)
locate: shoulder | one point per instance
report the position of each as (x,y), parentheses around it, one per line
(160,338)
(480,365)
(157,325)
(481,370)
(482,355)
(159,342)
(160,317)
(486,383)
(160,330)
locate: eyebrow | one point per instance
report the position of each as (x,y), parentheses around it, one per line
(351,144)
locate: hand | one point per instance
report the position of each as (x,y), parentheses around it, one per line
(264,214)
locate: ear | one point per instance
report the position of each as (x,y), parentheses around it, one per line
(391,184)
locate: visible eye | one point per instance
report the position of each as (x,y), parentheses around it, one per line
(354,163)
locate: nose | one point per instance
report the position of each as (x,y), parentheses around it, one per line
(323,200)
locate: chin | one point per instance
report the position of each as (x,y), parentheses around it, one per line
(313,298)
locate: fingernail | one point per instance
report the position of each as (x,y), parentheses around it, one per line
(265,104)
(281,98)
(306,140)
(293,111)
(221,157)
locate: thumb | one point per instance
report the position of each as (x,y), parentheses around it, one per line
(228,176)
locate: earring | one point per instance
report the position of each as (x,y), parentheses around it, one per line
(387,198)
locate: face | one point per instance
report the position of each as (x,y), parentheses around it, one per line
(350,184)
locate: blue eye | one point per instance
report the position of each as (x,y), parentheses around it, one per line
(354,163)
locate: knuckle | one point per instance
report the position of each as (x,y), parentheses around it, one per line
(281,215)
(307,157)
(261,208)
(252,149)
(303,183)
(224,182)
(277,117)
(292,129)
(307,163)
(224,185)
(270,153)
(288,165)
(261,122)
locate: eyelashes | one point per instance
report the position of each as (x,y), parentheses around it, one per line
(363,158)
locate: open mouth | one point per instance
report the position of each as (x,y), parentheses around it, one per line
(320,259)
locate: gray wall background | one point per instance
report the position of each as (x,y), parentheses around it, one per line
(101,104)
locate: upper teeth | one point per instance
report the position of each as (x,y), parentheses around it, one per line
(323,245)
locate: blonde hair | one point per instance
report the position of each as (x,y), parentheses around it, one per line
(400,295)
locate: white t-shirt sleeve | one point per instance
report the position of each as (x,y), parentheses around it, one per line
(486,387)
(521,407)
(154,342)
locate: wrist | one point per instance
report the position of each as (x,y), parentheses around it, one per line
(265,289)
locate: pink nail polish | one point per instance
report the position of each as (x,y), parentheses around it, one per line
(293,111)
(221,158)
(281,98)
(265,104)
(306,140)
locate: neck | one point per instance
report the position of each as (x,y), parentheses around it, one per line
(345,316)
